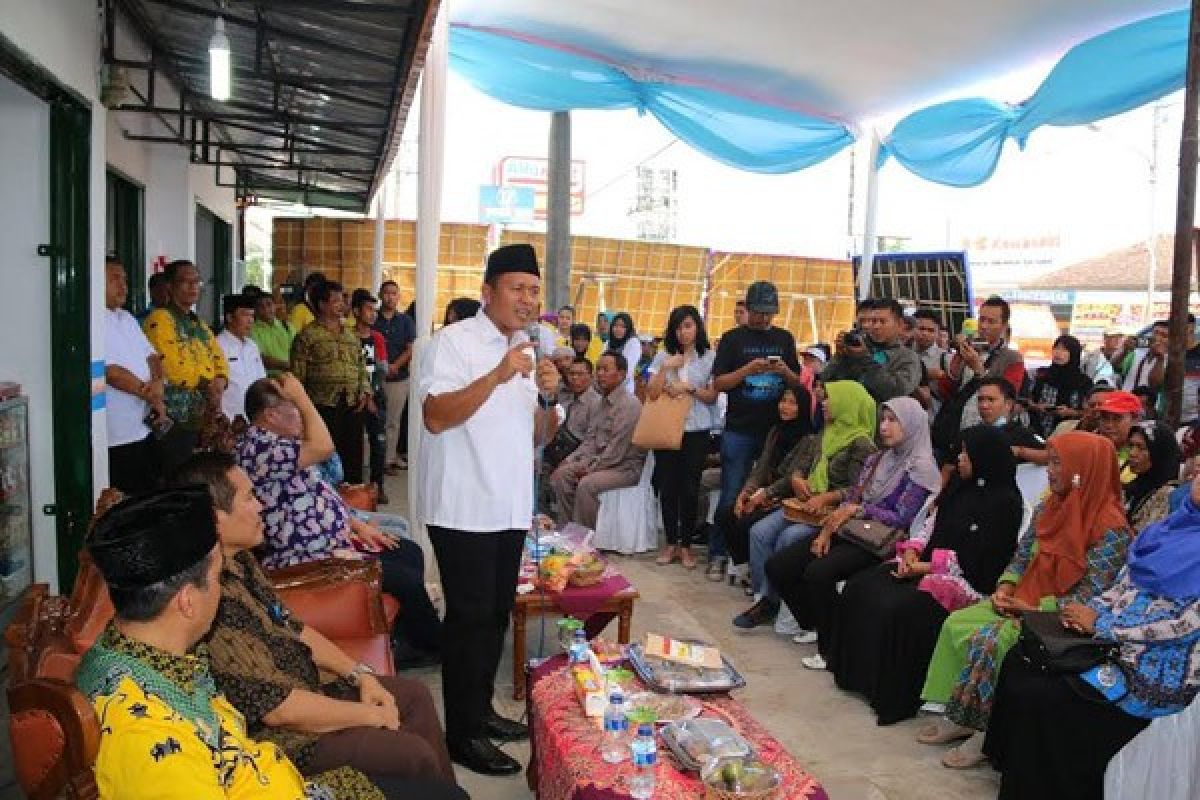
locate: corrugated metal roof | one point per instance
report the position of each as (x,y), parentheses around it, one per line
(321,89)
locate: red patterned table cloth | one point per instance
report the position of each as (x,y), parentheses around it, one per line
(566,759)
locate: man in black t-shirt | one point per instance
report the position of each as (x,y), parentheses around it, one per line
(754,363)
(375,356)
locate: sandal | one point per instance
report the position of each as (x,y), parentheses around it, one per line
(943,732)
(967,755)
(668,556)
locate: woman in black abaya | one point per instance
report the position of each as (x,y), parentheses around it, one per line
(887,619)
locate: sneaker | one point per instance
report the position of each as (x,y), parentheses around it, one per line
(805,637)
(785,623)
(814,662)
(761,613)
(716,569)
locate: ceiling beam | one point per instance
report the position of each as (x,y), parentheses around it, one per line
(298,37)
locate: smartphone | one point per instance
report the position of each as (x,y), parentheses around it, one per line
(774,359)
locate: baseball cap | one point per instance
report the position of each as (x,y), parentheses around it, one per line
(1121,402)
(815,352)
(762,298)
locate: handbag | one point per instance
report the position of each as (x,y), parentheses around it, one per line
(872,536)
(1049,647)
(660,427)
(562,445)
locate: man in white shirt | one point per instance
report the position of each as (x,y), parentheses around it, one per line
(133,390)
(483,412)
(245,362)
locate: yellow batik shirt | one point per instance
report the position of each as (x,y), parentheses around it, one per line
(165,733)
(191,359)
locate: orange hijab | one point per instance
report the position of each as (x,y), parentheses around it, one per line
(1069,525)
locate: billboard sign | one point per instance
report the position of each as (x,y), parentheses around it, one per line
(534,173)
(504,205)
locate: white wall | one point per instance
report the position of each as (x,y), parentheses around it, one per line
(24,317)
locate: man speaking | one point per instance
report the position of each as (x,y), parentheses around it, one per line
(483,414)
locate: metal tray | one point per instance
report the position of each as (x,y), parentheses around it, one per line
(726,739)
(665,676)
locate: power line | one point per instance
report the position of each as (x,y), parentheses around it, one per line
(674,141)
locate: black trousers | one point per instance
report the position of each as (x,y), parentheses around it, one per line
(737,531)
(404,579)
(479,583)
(135,467)
(677,478)
(808,585)
(346,428)
(376,428)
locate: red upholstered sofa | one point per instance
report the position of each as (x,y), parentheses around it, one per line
(53,730)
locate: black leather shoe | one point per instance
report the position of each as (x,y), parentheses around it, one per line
(480,755)
(504,729)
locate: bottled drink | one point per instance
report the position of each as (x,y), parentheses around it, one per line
(616,730)
(645,760)
(580,652)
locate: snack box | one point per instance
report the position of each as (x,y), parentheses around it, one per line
(589,688)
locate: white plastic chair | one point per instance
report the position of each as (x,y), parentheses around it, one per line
(630,519)
(1159,762)
(1032,480)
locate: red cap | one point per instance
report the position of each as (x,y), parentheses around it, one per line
(1121,403)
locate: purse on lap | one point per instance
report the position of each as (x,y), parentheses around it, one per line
(1049,647)
(873,536)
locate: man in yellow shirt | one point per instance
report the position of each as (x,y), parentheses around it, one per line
(194,365)
(165,731)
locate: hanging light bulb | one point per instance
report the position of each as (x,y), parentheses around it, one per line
(219,62)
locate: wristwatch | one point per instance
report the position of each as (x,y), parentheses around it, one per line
(355,675)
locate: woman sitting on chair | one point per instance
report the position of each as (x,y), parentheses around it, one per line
(846,442)
(306,520)
(1072,553)
(888,618)
(1051,736)
(893,486)
(1154,460)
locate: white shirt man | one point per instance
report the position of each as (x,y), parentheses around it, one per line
(245,361)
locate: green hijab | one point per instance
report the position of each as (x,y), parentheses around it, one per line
(853,412)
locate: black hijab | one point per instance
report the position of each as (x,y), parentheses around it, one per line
(978,518)
(789,433)
(618,345)
(1067,377)
(1164,464)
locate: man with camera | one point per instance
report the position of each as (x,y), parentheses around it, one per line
(874,355)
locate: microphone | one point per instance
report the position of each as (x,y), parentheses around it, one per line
(534,335)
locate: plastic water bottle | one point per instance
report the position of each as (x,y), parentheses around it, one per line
(615,748)
(645,760)
(580,651)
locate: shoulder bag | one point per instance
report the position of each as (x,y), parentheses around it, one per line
(872,535)
(1049,647)
(661,424)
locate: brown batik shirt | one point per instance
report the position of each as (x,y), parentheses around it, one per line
(258,658)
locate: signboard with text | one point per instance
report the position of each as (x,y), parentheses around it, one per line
(534,173)
(506,205)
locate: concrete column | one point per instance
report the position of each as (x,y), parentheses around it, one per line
(558,214)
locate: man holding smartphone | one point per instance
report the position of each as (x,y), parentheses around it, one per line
(754,363)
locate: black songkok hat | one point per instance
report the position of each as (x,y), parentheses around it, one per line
(512,258)
(232,302)
(148,538)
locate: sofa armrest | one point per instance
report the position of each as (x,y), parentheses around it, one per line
(340,598)
(55,737)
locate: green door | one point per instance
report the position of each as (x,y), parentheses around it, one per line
(125,234)
(70,204)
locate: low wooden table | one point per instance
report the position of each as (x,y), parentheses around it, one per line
(537,603)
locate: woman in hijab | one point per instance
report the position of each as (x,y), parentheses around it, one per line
(888,618)
(623,339)
(1078,545)
(1154,460)
(846,442)
(1060,389)
(790,445)
(1051,736)
(893,487)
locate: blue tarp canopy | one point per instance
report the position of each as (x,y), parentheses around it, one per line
(776,86)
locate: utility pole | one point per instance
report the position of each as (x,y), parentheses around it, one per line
(558,214)
(1185,222)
